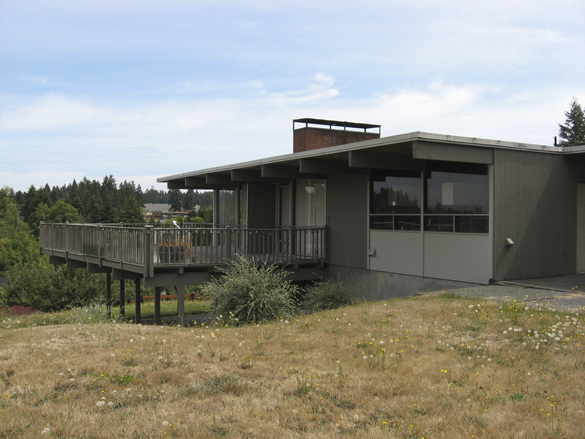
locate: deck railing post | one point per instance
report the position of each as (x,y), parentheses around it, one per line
(228,243)
(148,252)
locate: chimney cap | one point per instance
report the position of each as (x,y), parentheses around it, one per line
(335,123)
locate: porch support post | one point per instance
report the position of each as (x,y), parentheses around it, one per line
(181,304)
(109,294)
(215,207)
(137,300)
(122,298)
(157,305)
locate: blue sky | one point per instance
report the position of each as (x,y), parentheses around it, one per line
(144,89)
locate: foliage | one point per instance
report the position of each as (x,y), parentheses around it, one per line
(60,212)
(40,285)
(329,294)
(105,201)
(2,297)
(251,292)
(573,132)
(17,244)
(207,214)
(131,213)
(175,200)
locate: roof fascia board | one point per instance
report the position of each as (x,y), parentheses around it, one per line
(580,149)
(323,166)
(253,176)
(286,171)
(384,160)
(452,153)
(218,179)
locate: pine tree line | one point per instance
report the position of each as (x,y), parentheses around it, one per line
(103,202)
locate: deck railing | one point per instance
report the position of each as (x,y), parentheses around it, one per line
(147,247)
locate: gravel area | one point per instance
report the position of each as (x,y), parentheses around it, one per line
(566,293)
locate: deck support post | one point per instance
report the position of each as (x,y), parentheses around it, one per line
(109,294)
(138,299)
(122,298)
(181,304)
(157,305)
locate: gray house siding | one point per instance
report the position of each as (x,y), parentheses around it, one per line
(261,205)
(535,206)
(347,216)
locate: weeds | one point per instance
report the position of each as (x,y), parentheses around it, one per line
(329,294)
(301,377)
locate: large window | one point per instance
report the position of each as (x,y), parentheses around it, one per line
(395,201)
(455,198)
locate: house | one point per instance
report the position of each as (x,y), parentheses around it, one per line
(161,212)
(414,211)
(399,214)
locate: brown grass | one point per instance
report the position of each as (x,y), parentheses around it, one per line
(430,366)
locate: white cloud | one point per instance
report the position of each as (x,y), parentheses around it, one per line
(57,138)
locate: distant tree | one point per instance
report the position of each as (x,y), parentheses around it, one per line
(573,132)
(207,214)
(61,212)
(132,212)
(17,244)
(176,200)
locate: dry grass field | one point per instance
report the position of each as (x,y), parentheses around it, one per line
(422,367)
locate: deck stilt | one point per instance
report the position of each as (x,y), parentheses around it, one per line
(109,294)
(157,305)
(122,298)
(137,300)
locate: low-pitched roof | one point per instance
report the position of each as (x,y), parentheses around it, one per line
(411,146)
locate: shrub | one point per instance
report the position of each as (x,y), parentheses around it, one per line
(2,297)
(40,285)
(251,292)
(329,294)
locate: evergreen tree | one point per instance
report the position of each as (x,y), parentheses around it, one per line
(131,213)
(176,200)
(573,132)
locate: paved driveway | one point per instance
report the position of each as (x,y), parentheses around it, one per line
(566,293)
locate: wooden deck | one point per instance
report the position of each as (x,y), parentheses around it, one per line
(146,249)
(161,257)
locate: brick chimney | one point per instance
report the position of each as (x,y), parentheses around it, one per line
(308,137)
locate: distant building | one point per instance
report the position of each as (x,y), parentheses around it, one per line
(161,212)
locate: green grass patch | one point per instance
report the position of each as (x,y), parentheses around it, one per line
(167,308)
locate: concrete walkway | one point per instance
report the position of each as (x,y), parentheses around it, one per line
(566,293)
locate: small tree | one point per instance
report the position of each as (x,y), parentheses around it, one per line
(573,132)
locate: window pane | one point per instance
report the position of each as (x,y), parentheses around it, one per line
(449,192)
(396,195)
(384,222)
(403,222)
(227,208)
(439,223)
(472,224)
(310,202)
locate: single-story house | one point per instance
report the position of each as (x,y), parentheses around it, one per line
(413,211)
(398,214)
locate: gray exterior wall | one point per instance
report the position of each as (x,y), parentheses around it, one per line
(261,205)
(347,218)
(535,206)
(377,285)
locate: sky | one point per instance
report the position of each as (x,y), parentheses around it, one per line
(141,89)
